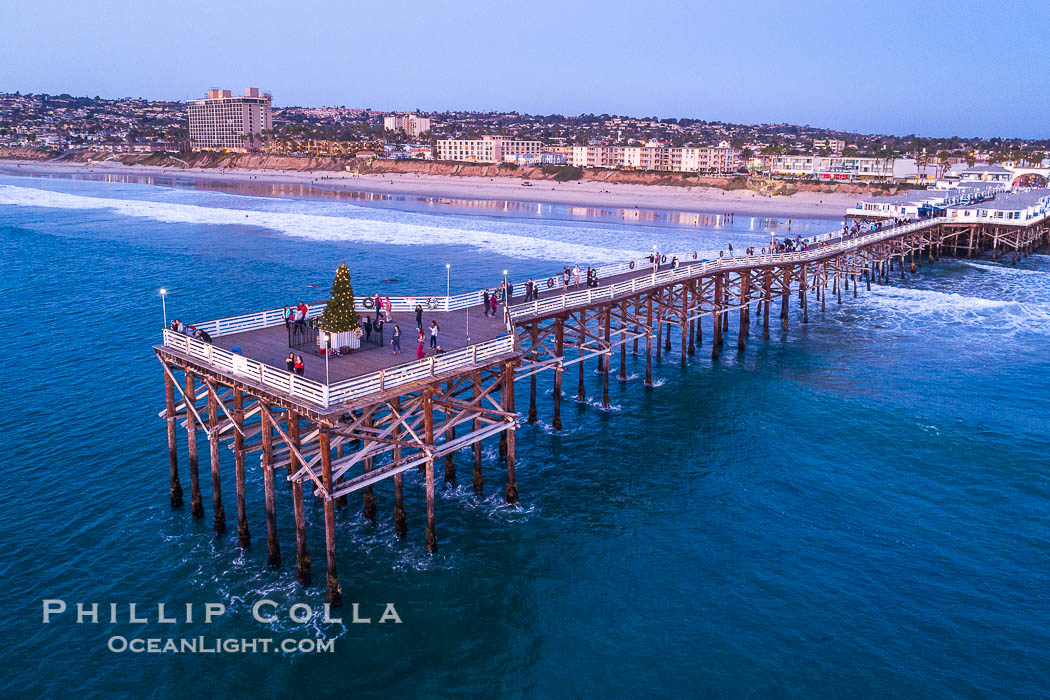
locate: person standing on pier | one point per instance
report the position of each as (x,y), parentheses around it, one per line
(300,366)
(434,329)
(387,308)
(485,302)
(395,339)
(510,292)
(420,354)
(576,276)
(419,317)
(290,361)
(492,305)
(530,290)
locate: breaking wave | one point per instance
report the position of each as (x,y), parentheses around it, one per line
(356,229)
(951,308)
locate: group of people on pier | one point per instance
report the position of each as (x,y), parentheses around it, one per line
(295,364)
(190,330)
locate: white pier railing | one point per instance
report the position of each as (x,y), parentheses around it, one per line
(657,279)
(325,395)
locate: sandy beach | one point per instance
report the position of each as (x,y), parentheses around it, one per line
(579,193)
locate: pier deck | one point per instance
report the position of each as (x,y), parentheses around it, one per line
(270,345)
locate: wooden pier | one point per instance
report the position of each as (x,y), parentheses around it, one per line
(370,416)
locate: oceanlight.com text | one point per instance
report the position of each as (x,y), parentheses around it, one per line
(214,645)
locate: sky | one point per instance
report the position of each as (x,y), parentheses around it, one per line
(929,67)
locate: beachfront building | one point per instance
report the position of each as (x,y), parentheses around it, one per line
(986,173)
(915,204)
(229,123)
(1015,207)
(487,149)
(410,124)
(832,167)
(682,159)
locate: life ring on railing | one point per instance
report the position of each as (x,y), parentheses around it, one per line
(631,264)
(694,255)
(432,303)
(663,258)
(368,302)
(550,282)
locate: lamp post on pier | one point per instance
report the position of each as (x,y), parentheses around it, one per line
(448,280)
(164,305)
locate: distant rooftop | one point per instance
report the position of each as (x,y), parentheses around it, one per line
(1013,201)
(987,168)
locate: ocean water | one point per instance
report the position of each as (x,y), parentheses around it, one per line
(856,507)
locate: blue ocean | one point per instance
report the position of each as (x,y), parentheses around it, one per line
(856,507)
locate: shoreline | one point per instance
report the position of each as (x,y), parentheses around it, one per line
(701,200)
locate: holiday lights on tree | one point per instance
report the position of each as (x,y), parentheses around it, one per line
(339,314)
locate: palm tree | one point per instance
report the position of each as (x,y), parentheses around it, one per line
(920,163)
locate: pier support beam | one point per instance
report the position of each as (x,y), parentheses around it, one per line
(302,557)
(649,342)
(608,358)
(785,296)
(428,427)
(369,497)
(450,458)
(623,346)
(767,291)
(219,513)
(479,478)
(400,526)
(244,536)
(273,547)
(196,503)
(741,338)
(581,389)
(690,293)
(532,380)
(507,397)
(335,592)
(803,288)
(559,351)
(175,486)
(716,339)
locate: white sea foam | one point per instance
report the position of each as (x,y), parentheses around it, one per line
(954,308)
(360,228)
(1005,269)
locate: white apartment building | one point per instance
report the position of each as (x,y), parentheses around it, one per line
(832,167)
(231,123)
(411,124)
(487,149)
(835,146)
(683,159)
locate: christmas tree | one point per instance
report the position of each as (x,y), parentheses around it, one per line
(339,314)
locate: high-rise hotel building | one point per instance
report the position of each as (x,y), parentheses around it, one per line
(231,123)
